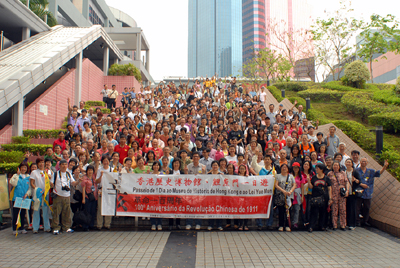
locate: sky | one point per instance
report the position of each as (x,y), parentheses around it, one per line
(165,25)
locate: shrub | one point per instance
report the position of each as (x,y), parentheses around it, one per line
(393,158)
(385,86)
(361,104)
(125,70)
(9,168)
(10,157)
(20,139)
(105,111)
(322,95)
(386,96)
(276,93)
(42,133)
(292,86)
(358,133)
(357,73)
(389,120)
(397,86)
(33,148)
(95,103)
(315,115)
(300,101)
(337,85)
(371,87)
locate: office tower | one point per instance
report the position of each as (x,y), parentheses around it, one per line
(215,38)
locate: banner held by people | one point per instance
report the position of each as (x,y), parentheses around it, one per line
(187,196)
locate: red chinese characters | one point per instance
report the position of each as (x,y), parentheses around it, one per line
(159,182)
(140,181)
(178,182)
(150,181)
(264,182)
(196,182)
(188,182)
(216,182)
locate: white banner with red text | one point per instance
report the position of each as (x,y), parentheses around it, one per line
(186,196)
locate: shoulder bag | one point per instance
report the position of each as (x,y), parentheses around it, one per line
(279,197)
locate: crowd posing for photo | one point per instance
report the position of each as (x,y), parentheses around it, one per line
(214,126)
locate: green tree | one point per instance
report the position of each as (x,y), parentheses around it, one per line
(39,7)
(284,66)
(357,74)
(334,36)
(251,71)
(378,37)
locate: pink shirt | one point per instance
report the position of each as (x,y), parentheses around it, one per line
(299,181)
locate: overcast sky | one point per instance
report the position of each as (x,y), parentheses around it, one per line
(165,25)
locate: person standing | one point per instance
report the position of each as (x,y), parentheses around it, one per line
(339,181)
(61,183)
(332,141)
(104,92)
(20,181)
(112,96)
(105,167)
(321,197)
(40,183)
(354,179)
(367,177)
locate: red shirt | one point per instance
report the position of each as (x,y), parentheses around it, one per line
(123,152)
(61,143)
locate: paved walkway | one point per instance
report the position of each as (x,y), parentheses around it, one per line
(359,248)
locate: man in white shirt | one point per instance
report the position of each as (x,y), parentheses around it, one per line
(61,183)
(38,180)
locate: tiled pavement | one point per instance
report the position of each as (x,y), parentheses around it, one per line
(359,248)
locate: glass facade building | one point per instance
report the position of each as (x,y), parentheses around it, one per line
(253,27)
(215,38)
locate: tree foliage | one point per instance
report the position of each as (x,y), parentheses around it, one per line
(39,7)
(378,37)
(333,37)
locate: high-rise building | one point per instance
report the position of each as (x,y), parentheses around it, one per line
(215,38)
(253,27)
(259,16)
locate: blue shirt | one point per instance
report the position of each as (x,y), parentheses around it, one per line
(133,95)
(253,93)
(368,178)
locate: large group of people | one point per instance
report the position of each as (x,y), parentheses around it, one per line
(213,126)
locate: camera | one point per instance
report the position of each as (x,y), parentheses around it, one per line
(65,188)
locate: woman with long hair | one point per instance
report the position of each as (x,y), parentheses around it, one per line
(89,195)
(242,171)
(285,185)
(156,222)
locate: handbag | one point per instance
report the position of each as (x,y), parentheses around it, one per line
(279,197)
(343,189)
(359,191)
(77,196)
(82,217)
(317,201)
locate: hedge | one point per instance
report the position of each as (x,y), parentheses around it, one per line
(389,120)
(315,115)
(337,85)
(9,168)
(276,93)
(105,111)
(42,134)
(361,104)
(33,148)
(322,95)
(358,133)
(10,157)
(393,158)
(386,96)
(292,86)
(20,139)
(385,86)
(300,101)
(95,103)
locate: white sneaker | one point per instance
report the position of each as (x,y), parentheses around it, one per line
(23,231)
(209,228)
(220,228)
(287,229)
(197,227)
(70,231)
(56,232)
(188,227)
(153,227)
(159,227)
(280,229)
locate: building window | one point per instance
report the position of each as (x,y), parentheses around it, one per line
(94,18)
